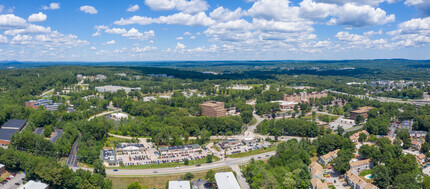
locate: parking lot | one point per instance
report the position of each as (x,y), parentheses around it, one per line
(14,182)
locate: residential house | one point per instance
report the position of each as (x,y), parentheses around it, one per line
(417,134)
(356,136)
(356,182)
(416,144)
(317,184)
(421,158)
(361,165)
(316,170)
(325,159)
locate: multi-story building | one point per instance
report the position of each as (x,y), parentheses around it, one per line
(356,182)
(360,111)
(325,159)
(361,165)
(317,184)
(47,104)
(304,96)
(213,109)
(417,134)
(109,158)
(316,170)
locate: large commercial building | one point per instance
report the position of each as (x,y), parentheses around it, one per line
(226,180)
(130,148)
(109,158)
(213,109)
(360,111)
(179,184)
(112,89)
(47,104)
(8,129)
(304,96)
(34,185)
(179,150)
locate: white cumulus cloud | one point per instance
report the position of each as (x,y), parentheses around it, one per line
(112,42)
(88,9)
(39,17)
(191,6)
(52,6)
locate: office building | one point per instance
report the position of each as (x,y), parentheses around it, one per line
(213,109)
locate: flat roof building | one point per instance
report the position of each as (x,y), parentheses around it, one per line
(8,129)
(304,96)
(226,180)
(47,104)
(34,185)
(108,157)
(360,111)
(112,89)
(179,184)
(213,109)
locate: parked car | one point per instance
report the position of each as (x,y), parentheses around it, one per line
(115,170)
(155,171)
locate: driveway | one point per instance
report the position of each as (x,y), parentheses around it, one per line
(57,134)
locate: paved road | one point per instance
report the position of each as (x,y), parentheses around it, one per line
(72,160)
(57,134)
(381,99)
(11,183)
(46,92)
(226,163)
(38,130)
(240,178)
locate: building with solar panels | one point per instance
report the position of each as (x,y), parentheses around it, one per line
(8,129)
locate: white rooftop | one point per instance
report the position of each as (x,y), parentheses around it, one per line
(34,185)
(1,165)
(226,180)
(179,185)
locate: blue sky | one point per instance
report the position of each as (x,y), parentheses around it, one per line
(148,30)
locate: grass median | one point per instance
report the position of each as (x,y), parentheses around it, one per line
(158,181)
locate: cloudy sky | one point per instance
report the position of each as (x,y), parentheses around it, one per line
(146,30)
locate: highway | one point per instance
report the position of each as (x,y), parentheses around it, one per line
(222,163)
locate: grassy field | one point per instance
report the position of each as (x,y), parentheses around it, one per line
(164,165)
(253,152)
(157,181)
(110,142)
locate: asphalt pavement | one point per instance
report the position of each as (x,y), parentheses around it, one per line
(57,134)
(72,160)
(38,131)
(11,183)
(222,163)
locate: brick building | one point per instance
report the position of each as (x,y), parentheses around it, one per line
(213,109)
(304,96)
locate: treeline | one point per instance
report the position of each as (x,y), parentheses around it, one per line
(171,129)
(49,171)
(409,93)
(287,169)
(291,127)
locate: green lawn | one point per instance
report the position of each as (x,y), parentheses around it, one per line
(366,172)
(157,182)
(164,165)
(110,142)
(253,152)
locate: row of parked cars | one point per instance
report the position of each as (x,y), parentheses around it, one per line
(8,179)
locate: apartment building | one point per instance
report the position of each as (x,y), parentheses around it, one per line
(304,96)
